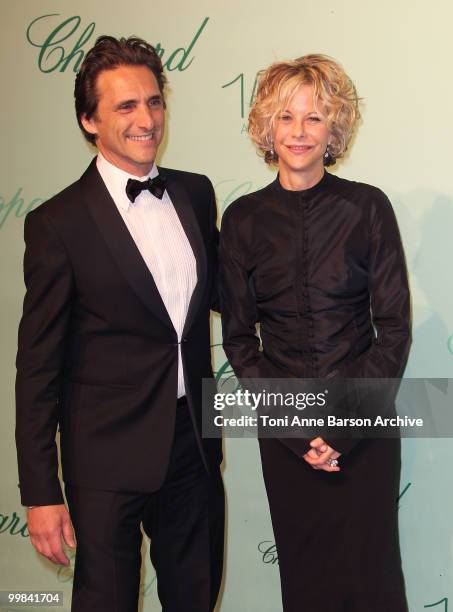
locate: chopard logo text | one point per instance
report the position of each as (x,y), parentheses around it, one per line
(62,44)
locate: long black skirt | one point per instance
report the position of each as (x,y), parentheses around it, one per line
(337,533)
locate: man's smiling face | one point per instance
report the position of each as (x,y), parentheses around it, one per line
(130,118)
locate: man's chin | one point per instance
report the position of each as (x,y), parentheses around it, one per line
(144,158)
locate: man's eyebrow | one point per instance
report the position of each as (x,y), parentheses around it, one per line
(125,103)
(155,98)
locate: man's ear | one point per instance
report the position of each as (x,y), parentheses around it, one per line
(89,124)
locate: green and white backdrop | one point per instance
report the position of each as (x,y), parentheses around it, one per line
(399,53)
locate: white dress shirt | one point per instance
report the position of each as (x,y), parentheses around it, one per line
(159,236)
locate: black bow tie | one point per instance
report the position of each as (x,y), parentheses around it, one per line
(156,186)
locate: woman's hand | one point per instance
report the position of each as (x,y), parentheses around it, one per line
(321,456)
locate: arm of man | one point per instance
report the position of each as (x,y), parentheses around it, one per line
(215,301)
(47,525)
(42,332)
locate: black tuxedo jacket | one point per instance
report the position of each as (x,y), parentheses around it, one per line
(98,354)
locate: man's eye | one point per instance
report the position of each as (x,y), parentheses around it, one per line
(125,107)
(156,102)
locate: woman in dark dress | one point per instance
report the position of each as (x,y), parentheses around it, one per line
(317,260)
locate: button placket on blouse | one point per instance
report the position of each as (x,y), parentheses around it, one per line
(311,357)
(298,217)
(302,292)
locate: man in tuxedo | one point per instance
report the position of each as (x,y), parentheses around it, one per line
(113,345)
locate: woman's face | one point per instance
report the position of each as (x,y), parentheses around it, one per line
(300,141)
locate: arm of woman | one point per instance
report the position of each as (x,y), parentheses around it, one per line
(239,316)
(238,306)
(389,299)
(389,303)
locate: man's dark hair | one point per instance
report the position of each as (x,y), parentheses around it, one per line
(109,53)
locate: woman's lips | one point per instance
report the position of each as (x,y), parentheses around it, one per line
(299,148)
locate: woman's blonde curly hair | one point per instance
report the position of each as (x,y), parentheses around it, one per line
(333,91)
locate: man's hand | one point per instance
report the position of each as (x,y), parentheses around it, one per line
(47,525)
(318,455)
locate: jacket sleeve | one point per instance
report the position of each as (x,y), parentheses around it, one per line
(215,300)
(43,327)
(389,304)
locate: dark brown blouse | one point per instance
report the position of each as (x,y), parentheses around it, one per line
(323,272)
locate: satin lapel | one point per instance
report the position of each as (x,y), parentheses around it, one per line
(120,243)
(181,201)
